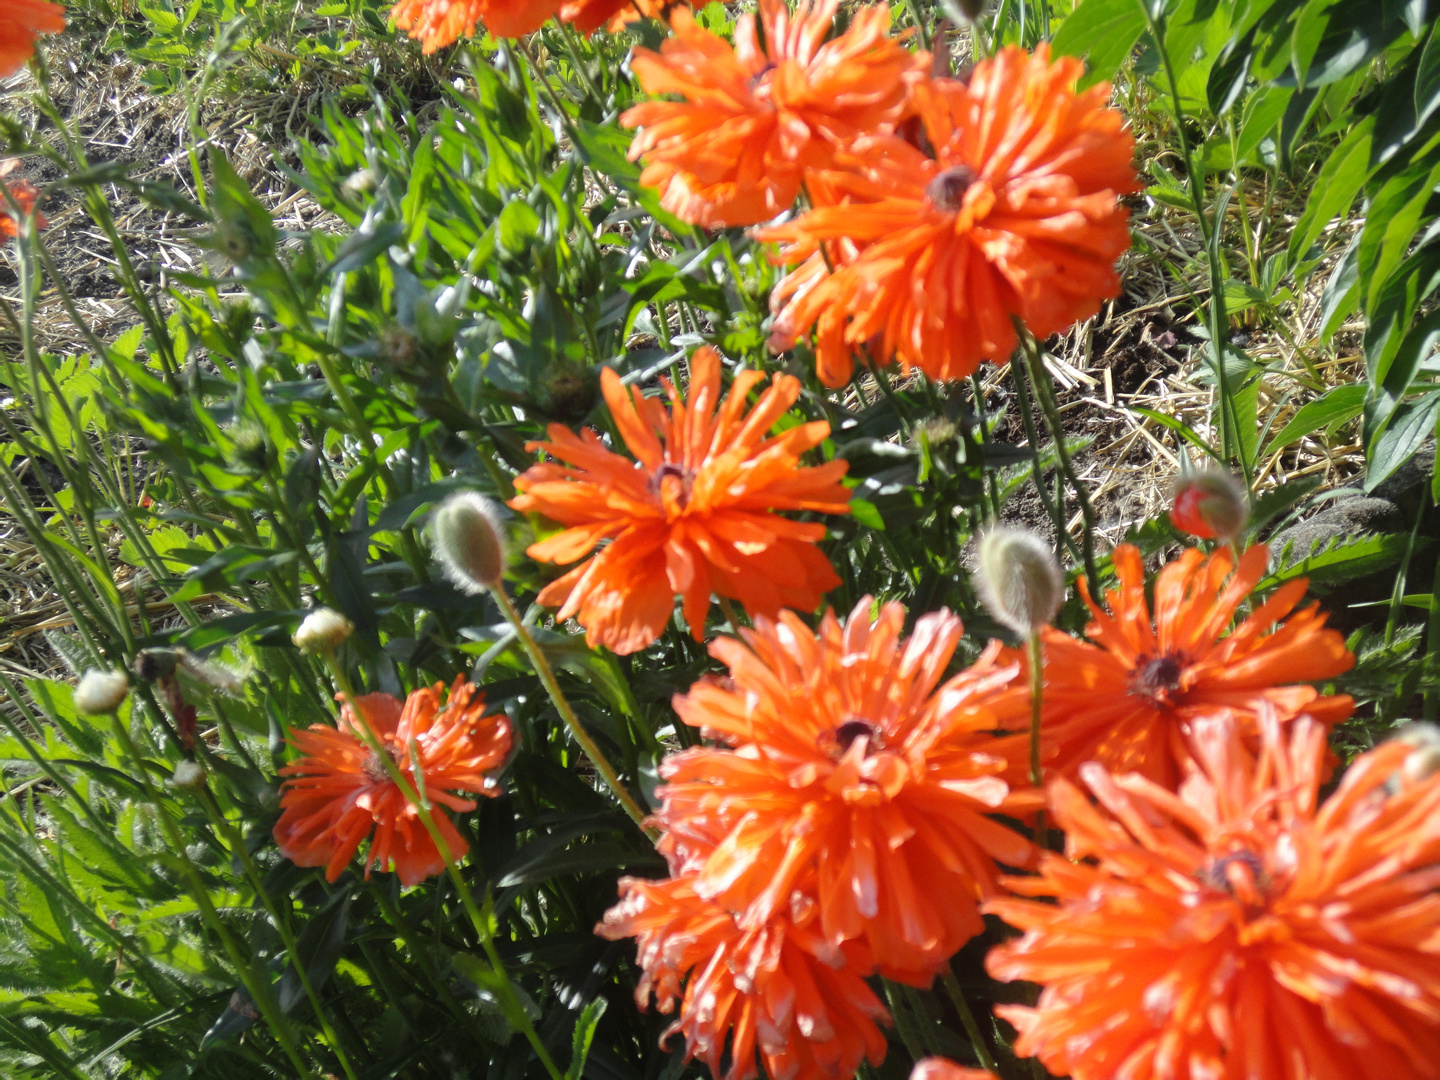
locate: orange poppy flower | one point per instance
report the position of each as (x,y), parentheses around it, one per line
(20,22)
(753,120)
(778,988)
(590,15)
(1015,214)
(338,792)
(1127,701)
(438,23)
(25,193)
(1233,931)
(694,516)
(854,780)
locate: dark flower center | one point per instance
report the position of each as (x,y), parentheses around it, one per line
(1217,873)
(1157,676)
(756,79)
(947,190)
(844,736)
(686,477)
(374,768)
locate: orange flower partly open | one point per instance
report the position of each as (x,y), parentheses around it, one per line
(778,988)
(20,22)
(695,515)
(25,193)
(438,23)
(752,120)
(1015,213)
(1234,931)
(1128,700)
(339,792)
(855,781)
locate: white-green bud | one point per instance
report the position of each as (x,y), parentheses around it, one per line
(1019,579)
(1424,761)
(469,542)
(323,630)
(188,775)
(101,692)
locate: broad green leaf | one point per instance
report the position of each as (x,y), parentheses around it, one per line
(1343,560)
(1104,31)
(1391,223)
(1415,349)
(1334,407)
(1339,182)
(1412,423)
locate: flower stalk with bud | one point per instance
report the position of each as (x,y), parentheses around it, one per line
(1023,587)
(470,547)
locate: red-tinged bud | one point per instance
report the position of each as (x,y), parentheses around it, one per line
(1211,505)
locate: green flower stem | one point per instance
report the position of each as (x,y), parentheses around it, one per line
(905,1025)
(1035,654)
(1039,381)
(259,991)
(547,676)
(483,922)
(729,610)
(406,933)
(1032,436)
(992,485)
(967,1019)
(1215,310)
(236,844)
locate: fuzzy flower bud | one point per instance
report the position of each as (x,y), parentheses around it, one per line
(1019,579)
(322,630)
(188,776)
(1210,505)
(469,542)
(1424,761)
(100,692)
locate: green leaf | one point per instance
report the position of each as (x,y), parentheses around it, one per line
(1281,499)
(1342,560)
(1104,31)
(1341,292)
(1389,320)
(1334,407)
(1412,424)
(864,511)
(585,1026)
(519,225)
(1391,223)
(1184,430)
(1386,396)
(1339,182)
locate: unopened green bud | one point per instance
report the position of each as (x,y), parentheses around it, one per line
(188,776)
(1019,580)
(323,630)
(101,692)
(253,451)
(469,542)
(1422,762)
